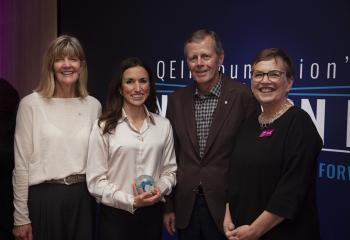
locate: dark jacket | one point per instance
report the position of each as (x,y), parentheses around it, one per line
(235,104)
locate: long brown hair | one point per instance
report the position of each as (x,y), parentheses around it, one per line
(115,100)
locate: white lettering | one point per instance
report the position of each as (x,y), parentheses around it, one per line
(162,109)
(161,66)
(312,68)
(319,119)
(172,69)
(176,69)
(329,70)
(234,75)
(247,69)
(222,68)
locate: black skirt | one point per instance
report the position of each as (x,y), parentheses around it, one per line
(117,224)
(61,212)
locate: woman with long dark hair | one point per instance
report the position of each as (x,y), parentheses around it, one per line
(130,140)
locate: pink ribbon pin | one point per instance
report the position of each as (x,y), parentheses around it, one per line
(266,133)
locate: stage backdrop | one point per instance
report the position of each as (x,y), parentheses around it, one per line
(315,33)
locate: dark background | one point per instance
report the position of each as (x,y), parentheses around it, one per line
(310,31)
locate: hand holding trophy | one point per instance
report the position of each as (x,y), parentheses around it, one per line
(144,183)
(146,193)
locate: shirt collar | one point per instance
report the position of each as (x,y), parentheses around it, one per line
(215,90)
(149,116)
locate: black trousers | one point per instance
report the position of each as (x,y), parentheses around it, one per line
(117,224)
(201,225)
(61,212)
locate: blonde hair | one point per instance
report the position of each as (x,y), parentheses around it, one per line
(60,47)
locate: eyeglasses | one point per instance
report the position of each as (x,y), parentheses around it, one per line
(273,75)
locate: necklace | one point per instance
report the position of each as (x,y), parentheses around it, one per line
(266,121)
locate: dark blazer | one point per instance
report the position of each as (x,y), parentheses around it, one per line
(235,104)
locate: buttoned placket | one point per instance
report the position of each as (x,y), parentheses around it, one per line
(139,136)
(204,120)
(205,117)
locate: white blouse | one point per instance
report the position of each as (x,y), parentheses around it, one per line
(115,160)
(51,142)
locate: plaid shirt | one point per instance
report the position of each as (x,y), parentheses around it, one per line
(204,106)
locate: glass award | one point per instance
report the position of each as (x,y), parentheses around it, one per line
(144,183)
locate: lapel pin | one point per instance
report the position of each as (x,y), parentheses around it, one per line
(225,102)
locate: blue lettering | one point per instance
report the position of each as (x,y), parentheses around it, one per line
(330,171)
(321,170)
(341,172)
(334,171)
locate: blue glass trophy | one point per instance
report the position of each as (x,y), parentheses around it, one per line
(144,183)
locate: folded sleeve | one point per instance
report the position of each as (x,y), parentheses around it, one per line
(97,174)
(23,148)
(302,146)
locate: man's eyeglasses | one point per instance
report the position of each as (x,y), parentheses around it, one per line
(273,75)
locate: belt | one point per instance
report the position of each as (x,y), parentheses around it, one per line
(72,179)
(198,190)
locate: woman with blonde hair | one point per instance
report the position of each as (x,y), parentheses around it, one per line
(51,140)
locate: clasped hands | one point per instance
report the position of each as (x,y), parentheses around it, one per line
(245,232)
(143,199)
